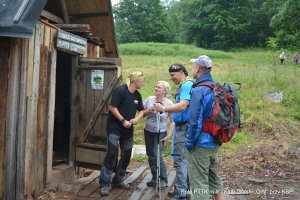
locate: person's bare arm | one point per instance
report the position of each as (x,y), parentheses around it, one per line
(117,115)
(178,107)
(170,131)
(135,120)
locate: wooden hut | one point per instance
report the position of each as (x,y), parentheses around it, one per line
(55,85)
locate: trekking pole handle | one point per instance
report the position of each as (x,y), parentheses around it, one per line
(161,104)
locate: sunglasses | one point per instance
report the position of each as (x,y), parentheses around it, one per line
(175,66)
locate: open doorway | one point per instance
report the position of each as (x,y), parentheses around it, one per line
(61,137)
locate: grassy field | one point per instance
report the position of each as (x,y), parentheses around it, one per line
(259,71)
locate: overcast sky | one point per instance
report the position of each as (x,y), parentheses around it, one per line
(113,2)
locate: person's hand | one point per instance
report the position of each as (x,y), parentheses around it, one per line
(166,140)
(158,107)
(151,109)
(127,124)
(134,121)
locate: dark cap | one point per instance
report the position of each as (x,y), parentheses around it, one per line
(178,67)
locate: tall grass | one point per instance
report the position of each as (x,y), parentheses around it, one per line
(258,71)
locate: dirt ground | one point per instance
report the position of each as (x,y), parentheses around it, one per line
(270,170)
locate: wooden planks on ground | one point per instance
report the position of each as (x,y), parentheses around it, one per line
(171,179)
(89,189)
(136,174)
(151,192)
(141,189)
(115,192)
(79,184)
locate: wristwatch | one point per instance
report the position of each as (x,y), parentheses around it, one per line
(122,120)
(163,109)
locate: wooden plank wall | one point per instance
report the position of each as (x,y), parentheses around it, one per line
(40,110)
(27,105)
(12,117)
(4,59)
(51,93)
(21,122)
(89,99)
(27,99)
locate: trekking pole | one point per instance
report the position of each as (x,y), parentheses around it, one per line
(158,155)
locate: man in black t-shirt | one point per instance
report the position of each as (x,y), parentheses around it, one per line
(126,101)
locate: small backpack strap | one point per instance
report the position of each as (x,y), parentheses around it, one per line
(206,84)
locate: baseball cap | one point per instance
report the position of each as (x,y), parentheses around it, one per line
(178,67)
(202,61)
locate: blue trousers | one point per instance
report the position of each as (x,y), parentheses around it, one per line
(181,184)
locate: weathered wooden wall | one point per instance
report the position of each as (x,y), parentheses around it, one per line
(27,92)
(27,100)
(4,59)
(87,101)
(40,109)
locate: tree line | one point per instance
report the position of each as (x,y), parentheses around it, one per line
(214,24)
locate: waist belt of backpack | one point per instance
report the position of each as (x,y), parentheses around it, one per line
(180,123)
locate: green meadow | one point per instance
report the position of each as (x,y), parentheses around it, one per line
(258,70)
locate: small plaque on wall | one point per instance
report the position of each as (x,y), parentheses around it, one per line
(97,79)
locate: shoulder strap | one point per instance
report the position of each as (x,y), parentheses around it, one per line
(206,84)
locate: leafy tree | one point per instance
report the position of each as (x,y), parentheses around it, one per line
(286,24)
(141,21)
(225,24)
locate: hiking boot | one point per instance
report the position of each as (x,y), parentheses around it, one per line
(104,191)
(171,194)
(175,196)
(122,185)
(151,183)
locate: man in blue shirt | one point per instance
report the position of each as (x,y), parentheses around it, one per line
(202,147)
(178,74)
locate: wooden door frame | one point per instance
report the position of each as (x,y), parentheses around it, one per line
(74,107)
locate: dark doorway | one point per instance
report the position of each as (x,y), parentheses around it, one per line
(61,136)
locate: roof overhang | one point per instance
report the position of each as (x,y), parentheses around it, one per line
(18,18)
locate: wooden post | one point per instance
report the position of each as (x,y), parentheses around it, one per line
(51,109)
(31,120)
(41,120)
(4,71)
(65,11)
(12,119)
(22,123)
(74,109)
